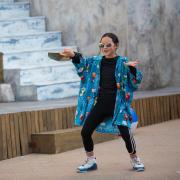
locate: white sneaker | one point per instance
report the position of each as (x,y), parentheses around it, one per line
(137,164)
(89,165)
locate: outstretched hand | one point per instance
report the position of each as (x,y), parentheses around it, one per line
(67,52)
(132,63)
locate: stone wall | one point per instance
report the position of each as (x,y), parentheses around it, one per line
(147,29)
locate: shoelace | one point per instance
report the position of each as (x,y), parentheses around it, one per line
(86,162)
(136,160)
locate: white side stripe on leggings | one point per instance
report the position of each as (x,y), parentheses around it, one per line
(133,144)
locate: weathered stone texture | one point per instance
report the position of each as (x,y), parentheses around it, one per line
(148,30)
(6,93)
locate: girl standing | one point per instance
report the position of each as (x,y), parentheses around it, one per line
(106,91)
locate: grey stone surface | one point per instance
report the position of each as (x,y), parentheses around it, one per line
(83,22)
(148,30)
(6,93)
(47,85)
(18,9)
(23,25)
(25,45)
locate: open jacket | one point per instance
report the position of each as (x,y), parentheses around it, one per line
(127,80)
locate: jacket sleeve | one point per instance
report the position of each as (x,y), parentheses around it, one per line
(82,64)
(134,76)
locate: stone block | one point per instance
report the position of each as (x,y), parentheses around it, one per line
(5,1)
(32,59)
(20,26)
(37,41)
(6,93)
(18,9)
(44,90)
(57,91)
(1,68)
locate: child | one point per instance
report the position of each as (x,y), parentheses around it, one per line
(106,90)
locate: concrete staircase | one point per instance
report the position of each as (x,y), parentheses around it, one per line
(25,44)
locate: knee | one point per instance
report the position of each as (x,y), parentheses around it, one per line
(85,133)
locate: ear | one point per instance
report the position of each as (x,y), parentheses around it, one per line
(117,45)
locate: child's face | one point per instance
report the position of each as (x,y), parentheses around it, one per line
(107,47)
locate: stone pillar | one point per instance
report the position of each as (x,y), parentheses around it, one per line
(1,67)
(6,93)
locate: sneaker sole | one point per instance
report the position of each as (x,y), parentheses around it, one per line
(86,170)
(139,169)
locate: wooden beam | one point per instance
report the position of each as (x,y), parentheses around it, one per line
(63,140)
(16,128)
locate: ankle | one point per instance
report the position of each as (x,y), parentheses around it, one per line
(90,154)
(133,155)
(91,158)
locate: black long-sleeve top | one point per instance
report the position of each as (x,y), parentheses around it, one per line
(107,74)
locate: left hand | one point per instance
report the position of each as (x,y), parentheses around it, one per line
(132,63)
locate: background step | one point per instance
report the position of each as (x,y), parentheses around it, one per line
(58,141)
(48,88)
(46,92)
(62,73)
(26,65)
(38,41)
(58,91)
(6,1)
(31,59)
(20,26)
(18,9)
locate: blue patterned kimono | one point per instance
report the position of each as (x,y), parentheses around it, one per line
(89,71)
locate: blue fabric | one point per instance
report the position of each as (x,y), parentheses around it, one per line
(89,71)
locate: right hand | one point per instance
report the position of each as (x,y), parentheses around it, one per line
(68,52)
(132,63)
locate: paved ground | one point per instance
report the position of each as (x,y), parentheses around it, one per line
(158,146)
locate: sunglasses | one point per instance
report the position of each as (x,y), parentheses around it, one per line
(101,45)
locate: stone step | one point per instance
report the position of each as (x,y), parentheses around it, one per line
(48,75)
(5,1)
(45,75)
(21,26)
(17,9)
(57,91)
(37,41)
(40,92)
(58,141)
(43,83)
(30,59)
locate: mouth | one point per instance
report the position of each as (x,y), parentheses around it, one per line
(105,51)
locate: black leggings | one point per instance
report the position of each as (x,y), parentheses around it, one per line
(104,108)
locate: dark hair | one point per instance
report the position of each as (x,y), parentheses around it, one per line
(112,36)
